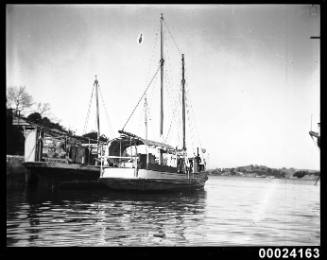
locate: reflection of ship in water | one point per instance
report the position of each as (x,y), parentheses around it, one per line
(114,218)
(18,233)
(161,220)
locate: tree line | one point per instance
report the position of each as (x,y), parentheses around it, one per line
(261,170)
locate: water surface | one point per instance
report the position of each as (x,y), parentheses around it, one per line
(235,211)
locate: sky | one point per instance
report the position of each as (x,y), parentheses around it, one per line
(252,74)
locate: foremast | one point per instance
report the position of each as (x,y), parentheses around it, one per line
(183,102)
(96,85)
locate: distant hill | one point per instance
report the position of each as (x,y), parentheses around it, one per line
(264,171)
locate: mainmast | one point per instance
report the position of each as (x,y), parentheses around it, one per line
(183,102)
(96,84)
(146,116)
(161,76)
(146,128)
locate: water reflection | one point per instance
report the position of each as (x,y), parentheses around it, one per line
(231,211)
(107,218)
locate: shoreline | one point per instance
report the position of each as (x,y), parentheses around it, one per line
(303,179)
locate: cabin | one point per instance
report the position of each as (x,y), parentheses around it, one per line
(130,151)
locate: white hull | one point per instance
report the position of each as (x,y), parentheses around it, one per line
(149,180)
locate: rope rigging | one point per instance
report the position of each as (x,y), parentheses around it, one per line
(189,105)
(175,104)
(191,135)
(152,61)
(170,85)
(173,101)
(153,52)
(88,111)
(171,35)
(142,97)
(173,94)
(106,111)
(171,122)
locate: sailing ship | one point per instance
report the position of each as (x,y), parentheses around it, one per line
(158,167)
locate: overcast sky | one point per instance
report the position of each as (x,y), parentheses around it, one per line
(252,73)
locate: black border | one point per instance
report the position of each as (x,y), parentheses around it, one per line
(184,252)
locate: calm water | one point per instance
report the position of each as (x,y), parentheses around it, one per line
(230,211)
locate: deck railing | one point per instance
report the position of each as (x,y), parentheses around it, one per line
(103,157)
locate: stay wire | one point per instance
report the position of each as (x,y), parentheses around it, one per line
(151,61)
(171,97)
(106,111)
(141,97)
(175,103)
(88,111)
(191,136)
(194,119)
(171,35)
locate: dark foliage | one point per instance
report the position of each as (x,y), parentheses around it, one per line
(260,170)
(34,117)
(15,138)
(44,121)
(299,174)
(94,135)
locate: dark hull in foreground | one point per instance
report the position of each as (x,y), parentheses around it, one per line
(55,174)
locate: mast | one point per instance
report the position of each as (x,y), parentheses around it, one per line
(161,76)
(183,102)
(96,84)
(146,128)
(146,116)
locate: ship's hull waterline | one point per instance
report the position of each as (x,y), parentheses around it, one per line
(149,180)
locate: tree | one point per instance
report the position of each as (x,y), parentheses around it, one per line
(299,174)
(18,98)
(42,108)
(103,138)
(34,117)
(93,135)
(15,138)
(46,122)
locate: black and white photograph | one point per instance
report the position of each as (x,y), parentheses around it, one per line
(163,125)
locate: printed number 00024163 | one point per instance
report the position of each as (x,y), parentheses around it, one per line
(294,253)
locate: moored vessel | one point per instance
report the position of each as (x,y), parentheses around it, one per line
(136,163)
